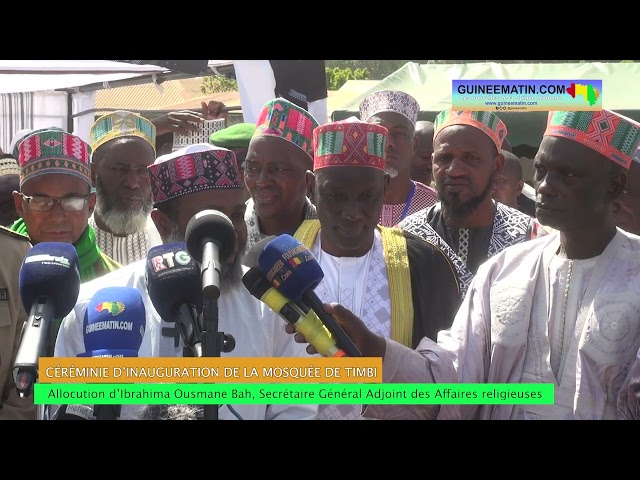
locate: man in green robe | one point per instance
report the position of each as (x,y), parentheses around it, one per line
(55,199)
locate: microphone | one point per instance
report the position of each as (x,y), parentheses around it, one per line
(294,272)
(114,323)
(73,412)
(175,289)
(113,326)
(307,323)
(49,283)
(211,239)
(250,258)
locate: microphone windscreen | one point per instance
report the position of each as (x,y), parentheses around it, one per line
(256,282)
(50,269)
(173,279)
(73,412)
(214,226)
(114,323)
(290,267)
(250,258)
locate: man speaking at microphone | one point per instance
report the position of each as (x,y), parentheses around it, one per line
(401,286)
(183,183)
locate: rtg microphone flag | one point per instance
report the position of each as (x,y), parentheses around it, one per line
(302,82)
(114,323)
(173,279)
(175,289)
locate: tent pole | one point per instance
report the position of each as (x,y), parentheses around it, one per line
(69,112)
(232,108)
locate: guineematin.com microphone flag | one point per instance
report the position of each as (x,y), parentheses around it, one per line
(302,82)
(114,323)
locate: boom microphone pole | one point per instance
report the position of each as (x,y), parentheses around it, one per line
(211,239)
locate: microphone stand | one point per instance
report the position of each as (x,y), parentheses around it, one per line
(189,325)
(214,341)
(107,412)
(26,375)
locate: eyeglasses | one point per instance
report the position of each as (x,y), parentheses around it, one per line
(44,204)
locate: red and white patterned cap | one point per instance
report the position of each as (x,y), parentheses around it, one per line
(54,151)
(609,133)
(349,143)
(193,169)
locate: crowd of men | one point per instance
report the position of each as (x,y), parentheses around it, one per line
(431,259)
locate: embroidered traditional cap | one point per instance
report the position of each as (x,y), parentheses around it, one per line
(9,166)
(349,143)
(487,122)
(121,124)
(193,169)
(389,101)
(609,133)
(284,119)
(54,151)
(22,134)
(15,143)
(234,136)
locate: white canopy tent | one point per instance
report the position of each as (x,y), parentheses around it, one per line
(19,76)
(41,93)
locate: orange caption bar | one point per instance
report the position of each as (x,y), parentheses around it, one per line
(210,370)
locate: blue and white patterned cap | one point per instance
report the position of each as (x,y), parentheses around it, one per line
(389,101)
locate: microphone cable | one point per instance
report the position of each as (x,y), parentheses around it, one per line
(233,411)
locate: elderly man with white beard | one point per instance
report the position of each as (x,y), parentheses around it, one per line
(123,146)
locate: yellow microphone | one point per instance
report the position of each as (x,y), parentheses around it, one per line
(306,323)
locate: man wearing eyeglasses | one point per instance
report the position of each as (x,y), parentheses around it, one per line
(55,199)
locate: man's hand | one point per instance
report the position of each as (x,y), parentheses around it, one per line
(213,110)
(182,123)
(369,343)
(185,121)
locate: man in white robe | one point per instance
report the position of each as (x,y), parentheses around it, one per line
(401,286)
(197,178)
(563,309)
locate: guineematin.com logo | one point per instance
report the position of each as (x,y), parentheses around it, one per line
(527,95)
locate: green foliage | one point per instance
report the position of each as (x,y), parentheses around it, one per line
(361,74)
(337,77)
(376,69)
(339,71)
(217,84)
(380,69)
